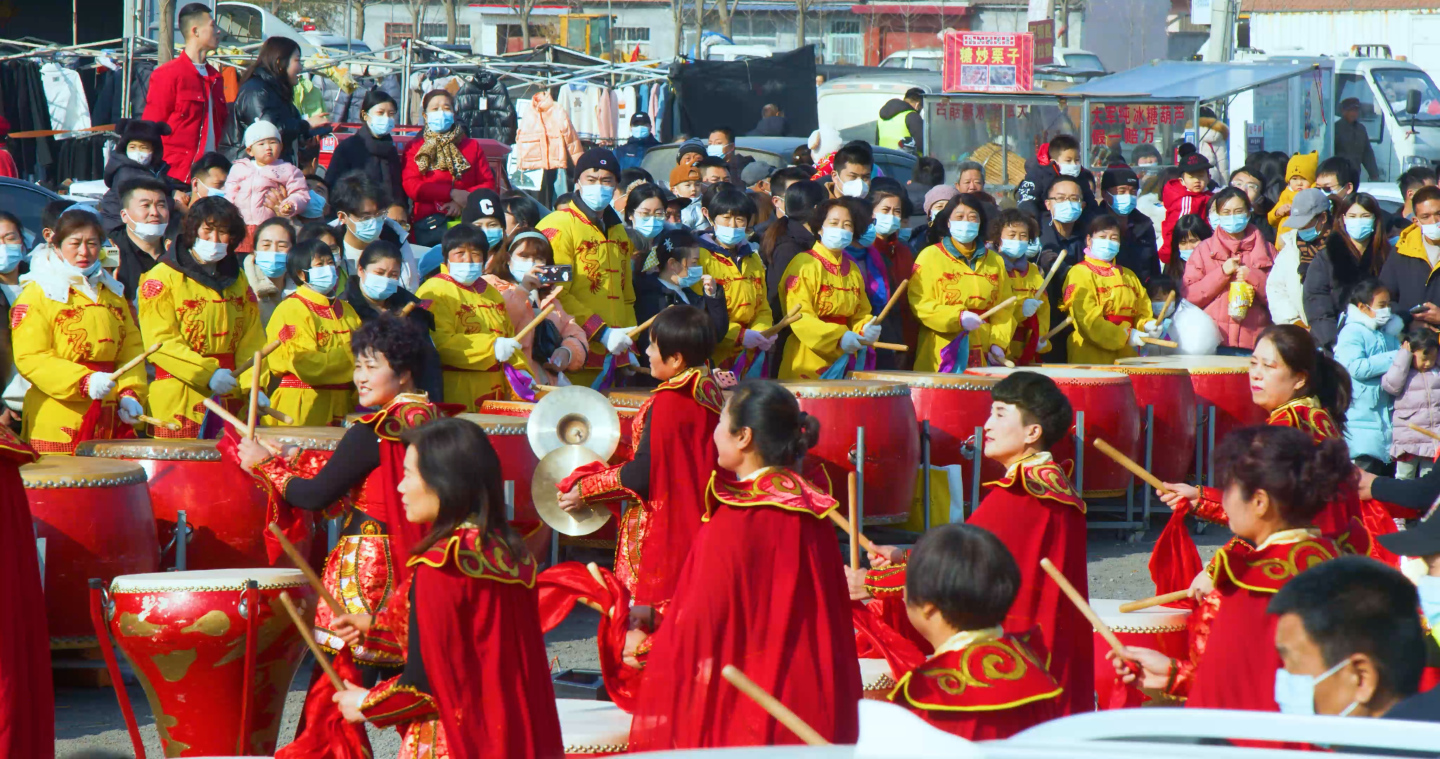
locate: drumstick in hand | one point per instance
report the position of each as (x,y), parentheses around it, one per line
(1054,269)
(1168,598)
(1159,342)
(1062,325)
(309,639)
(239,426)
(790,318)
(890,347)
(889,304)
(1084,606)
(254,394)
(279,416)
(854,534)
(244,366)
(844,524)
(1423,431)
(640,330)
(172,426)
(1165,309)
(540,317)
(1129,464)
(998,307)
(772,705)
(304,567)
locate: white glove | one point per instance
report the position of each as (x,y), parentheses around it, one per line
(1042,346)
(561,360)
(871,333)
(130,410)
(1137,338)
(100,385)
(997,355)
(1029,306)
(970,321)
(753,339)
(262,400)
(561,380)
(850,342)
(222,382)
(505,347)
(616,341)
(1152,328)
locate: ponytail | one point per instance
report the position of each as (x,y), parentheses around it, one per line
(783,434)
(1325,378)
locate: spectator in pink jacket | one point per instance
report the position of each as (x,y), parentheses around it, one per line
(263,186)
(1237,252)
(559,343)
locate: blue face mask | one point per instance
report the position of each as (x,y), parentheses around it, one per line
(1034,249)
(1295,694)
(867,239)
(1014,249)
(596,196)
(639,132)
(493,235)
(729,236)
(465,272)
(271,263)
(381,125)
(439,121)
(886,223)
(322,279)
(1214,220)
(1429,588)
(650,226)
(368,229)
(315,208)
(1067,211)
(1104,249)
(86,272)
(1235,223)
(377,287)
(836,238)
(964,231)
(1185,253)
(11,254)
(692,276)
(1309,234)
(1123,204)
(1359,229)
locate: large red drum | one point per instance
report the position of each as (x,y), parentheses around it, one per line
(1108,401)
(508,408)
(954,404)
(95,517)
(1223,382)
(1168,390)
(316,444)
(892,440)
(185,636)
(517,460)
(223,506)
(1159,627)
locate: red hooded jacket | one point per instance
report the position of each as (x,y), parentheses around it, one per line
(1179,201)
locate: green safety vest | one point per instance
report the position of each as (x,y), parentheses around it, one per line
(889,132)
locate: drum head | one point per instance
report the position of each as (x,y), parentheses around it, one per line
(1155,619)
(845,389)
(208,579)
(496,424)
(1053,372)
(1195,364)
(75,472)
(930,379)
(156,449)
(593,727)
(308,438)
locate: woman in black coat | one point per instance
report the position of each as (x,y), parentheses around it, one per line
(666,277)
(1345,260)
(267,93)
(371,150)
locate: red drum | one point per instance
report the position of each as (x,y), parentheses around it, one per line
(95,517)
(517,460)
(507,408)
(1168,389)
(1110,413)
(892,440)
(875,679)
(592,728)
(222,504)
(1159,627)
(954,404)
(185,636)
(1220,381)
(319,444)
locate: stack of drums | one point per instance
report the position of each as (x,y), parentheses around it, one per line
(96,519)
(1108,402)
(1161,628)
(955,405)
(592,728)
(1172,440)
(1223,382)
(185,636)
(223,506)
(892,440)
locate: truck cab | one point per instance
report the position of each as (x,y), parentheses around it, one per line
(1399,108)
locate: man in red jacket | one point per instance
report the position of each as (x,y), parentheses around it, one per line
(187,94)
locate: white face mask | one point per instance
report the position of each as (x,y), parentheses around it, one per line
(855,188)
(209,251)
(139,156)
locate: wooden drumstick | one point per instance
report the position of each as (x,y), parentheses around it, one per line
(844,524)
(1423,431)
(552,297)
(1165,309)
(250,419)
(854,505)
(540,317)
(279,416)
(239,426)
(409,307)
(643,326)
(790,318)
(138,360)
(998,307)
(1129,464)
(1157,341)
(304,629)
(772,705)
(889,304)
(890,347)
(1168,598)
(304,567)
(594,570)
(143,419)
(244,366)
(1054,269)
(1062,325)
(1082,605)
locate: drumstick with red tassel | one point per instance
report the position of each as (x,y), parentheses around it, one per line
(240,427)
(304,567)
(309,639)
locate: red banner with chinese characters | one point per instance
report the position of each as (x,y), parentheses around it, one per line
(988,62)
(1133,124)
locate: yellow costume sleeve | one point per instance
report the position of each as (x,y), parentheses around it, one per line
(1082,302)
(861,317)
(1002,325)
(35,355)
(300,353)
(1143,314)
(135,381)
(924,294)
(159,323)
(564,247)
(802,287)
(764,318)
(252,336)
(474,352)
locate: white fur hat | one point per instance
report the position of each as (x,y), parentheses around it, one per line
(823,142)
(260,130)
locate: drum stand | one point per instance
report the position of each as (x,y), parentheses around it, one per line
(99,605)
(182,527)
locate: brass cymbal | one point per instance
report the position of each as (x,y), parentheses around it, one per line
(555,467)
(574,415)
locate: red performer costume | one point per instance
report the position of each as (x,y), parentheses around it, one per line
(476,681)
(362,571)
(981,685)
(763,590)
(27,697)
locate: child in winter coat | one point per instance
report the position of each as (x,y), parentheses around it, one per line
(1299,175)
(1190,194)
(138,154)
(263,186)
(1366,347)
(1414,380)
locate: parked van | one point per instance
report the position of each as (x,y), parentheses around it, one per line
(852,104)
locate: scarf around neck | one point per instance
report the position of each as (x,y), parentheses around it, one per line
(438,152)
(872,266)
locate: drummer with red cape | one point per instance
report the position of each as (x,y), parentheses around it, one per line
(357,482)
(762,590)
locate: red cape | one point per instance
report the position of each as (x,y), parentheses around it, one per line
(27,697)
(564,585)
(764,590)
(1037,514)
(484,654)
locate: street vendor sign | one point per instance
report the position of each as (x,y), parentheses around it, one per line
(988,62)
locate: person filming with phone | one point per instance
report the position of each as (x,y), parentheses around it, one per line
(522,267)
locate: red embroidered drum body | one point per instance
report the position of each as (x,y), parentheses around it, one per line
(1159,627)
(1169,390)
(223,506)
(592,728)
(95,517)
(517,460)
(892,440)
(1222,382)
(185,636)
(954,404)
(317,444)
(1108,401)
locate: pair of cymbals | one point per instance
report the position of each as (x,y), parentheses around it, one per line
(550,472)
(574,415)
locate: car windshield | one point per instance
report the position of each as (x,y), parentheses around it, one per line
(1084,62)
(1396,84)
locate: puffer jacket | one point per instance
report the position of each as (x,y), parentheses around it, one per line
(483,106)
(264,97)
(1417,402)
(1208,286)
(546,140)
(249,183)
(119,171)
(1367,353)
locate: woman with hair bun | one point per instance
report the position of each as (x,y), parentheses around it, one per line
(1276,481)
(763,589)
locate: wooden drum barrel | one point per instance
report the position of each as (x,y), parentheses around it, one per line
(1169,391)
(954,404)
(1220,381)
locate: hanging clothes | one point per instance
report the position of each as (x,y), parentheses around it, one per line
(25,106)
(65,94)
